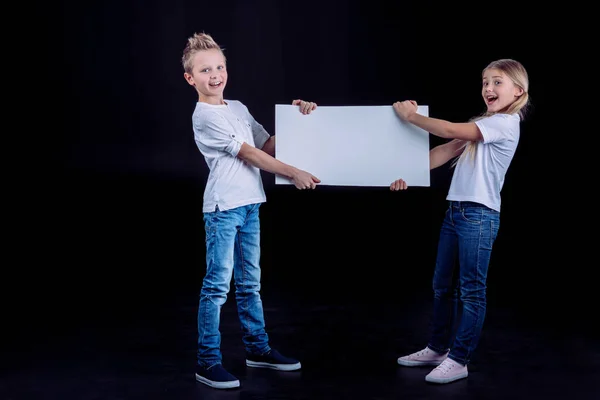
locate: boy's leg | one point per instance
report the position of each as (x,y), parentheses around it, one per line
(247,281)
(221,229)
(247,276)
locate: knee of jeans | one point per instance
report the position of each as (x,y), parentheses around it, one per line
(443,290)
(473,294)
(247,287)
(217,295)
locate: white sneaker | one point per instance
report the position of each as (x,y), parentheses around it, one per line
(448,371)
(423,357)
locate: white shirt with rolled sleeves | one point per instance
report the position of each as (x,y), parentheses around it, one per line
(481,179)
(219,131)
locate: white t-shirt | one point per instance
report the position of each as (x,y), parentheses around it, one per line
(480,179)
(219,131)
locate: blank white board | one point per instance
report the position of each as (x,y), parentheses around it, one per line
(352,145)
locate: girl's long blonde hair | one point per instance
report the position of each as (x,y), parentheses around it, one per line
(517,73)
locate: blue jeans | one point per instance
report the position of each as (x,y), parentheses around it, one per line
(467,235)
(232,248)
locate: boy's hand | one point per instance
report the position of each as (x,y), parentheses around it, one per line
(306,107)
(398,184)
(304,180)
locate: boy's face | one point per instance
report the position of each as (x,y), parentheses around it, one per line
(209,75)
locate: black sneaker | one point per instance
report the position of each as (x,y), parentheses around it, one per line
(217,377)
(272,359)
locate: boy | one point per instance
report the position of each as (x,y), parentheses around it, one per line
(236,148)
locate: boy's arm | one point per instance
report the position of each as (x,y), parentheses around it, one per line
(269,146)
(263,161)
(305,107)
(441,154)
(214,132)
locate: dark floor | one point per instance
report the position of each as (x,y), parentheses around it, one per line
(348,351)
(113,315)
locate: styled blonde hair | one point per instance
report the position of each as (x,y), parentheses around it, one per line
(517,73)
(197,42)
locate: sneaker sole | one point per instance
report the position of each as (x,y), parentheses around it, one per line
(408,363)
(279,367)
(447,380)
(218,385)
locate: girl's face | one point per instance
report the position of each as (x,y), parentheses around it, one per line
(498,90)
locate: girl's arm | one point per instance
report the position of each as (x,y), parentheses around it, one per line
(448,130)
(443,153)
(407,110)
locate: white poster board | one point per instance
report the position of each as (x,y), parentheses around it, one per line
(352,145)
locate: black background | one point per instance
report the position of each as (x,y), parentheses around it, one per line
(115,226)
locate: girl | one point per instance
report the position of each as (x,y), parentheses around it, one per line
(485,147)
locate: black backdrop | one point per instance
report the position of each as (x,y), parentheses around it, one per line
(120,227)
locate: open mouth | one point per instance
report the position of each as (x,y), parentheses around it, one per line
(491,100)
(216,84)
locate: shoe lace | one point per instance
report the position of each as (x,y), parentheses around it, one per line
(422,352)
(445,366)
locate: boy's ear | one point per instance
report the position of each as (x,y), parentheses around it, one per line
(189,79)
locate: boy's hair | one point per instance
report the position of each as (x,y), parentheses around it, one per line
(197,42)
(518,74)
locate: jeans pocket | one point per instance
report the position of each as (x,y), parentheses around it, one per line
(472,215)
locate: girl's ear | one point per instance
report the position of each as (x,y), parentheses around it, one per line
(518,91)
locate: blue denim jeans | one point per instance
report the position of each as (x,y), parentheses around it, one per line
(467,235)
(232,248)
